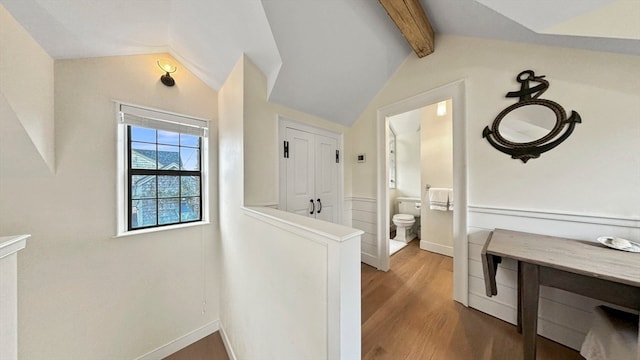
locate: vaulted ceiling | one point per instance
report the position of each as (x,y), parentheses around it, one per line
(324,57)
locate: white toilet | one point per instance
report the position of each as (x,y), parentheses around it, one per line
(408,209)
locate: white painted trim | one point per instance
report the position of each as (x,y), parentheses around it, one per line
(359,198)
(559,216)
(181,342)
(160,229)
(344,329)
(455,91)
(343,274)
(122,150)
(554,223)
(227,343)
(122,210)
(12,244)
(436,248)
(177,117)
(285,122)
(320,231)
(265,204)
(369,260)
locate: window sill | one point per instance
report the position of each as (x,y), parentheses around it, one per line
(160,229)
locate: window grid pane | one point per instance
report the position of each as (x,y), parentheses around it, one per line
(143,213)
(190,208)
(164,178)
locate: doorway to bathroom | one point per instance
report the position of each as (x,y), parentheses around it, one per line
(420,202)
(404,200)
(453,95)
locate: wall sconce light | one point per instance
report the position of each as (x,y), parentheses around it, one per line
(167,66)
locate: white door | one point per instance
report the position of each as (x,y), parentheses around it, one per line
(311,174)
(300,173)
(326,178)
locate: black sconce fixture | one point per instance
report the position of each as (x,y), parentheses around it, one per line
(167,66)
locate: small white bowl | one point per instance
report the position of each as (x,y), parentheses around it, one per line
(619,243)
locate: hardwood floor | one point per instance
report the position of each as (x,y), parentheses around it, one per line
(408,313)
(208,348)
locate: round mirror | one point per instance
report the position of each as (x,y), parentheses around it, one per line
(526,124)
(531,126)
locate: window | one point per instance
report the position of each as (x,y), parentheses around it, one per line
(163,168)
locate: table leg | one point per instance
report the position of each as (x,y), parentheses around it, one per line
(530,293)
(519,302)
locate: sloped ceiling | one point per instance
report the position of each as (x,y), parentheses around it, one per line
(406,123)
(595,18)
(325,57)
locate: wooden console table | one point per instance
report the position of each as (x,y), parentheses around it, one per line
(583,267)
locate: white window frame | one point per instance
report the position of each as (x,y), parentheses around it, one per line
(128,114)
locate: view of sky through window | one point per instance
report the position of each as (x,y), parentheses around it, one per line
(165,177)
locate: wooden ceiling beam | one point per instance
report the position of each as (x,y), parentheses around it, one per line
(413,23)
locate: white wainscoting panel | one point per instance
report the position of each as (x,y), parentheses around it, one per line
(363,217)
(346,216)
(563,316)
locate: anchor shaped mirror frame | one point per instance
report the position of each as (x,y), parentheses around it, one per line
(529,96)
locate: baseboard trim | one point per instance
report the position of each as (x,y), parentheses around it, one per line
(181,342)
(436,248)
(227,344)
(369,259)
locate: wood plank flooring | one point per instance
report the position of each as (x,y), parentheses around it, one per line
(208,348)
(408,313)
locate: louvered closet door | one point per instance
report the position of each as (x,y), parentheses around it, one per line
(300,174)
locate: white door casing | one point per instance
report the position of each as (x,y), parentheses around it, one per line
(456,92)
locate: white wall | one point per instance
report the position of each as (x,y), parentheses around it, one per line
(261,144)
(571,177)
(436,159)
(9,248)
(574,177)
(408,164)
(26,84)
(274,282)
(593,175)
(82,292)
